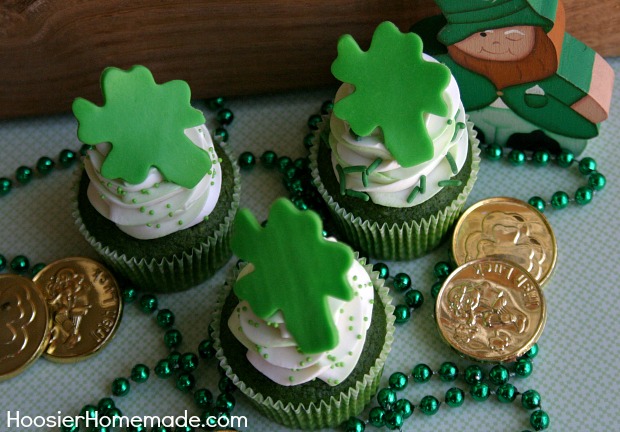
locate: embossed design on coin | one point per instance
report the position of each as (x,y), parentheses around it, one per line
(490,310)
(24,324)
(85,303)
(508,229)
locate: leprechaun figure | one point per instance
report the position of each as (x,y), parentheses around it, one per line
(524,82)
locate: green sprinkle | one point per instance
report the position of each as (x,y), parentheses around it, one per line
(291,379)
(447,183)
(350,328)
(459,126)
(219,160)
(158,226)
(145,192)
(413,194)
(449,121)
(265,356)
(350,353)
(133,200)
(151,212)
(422,184)
(142,209)
(180,222)
(156,185)
(354,278)
(355,194)
(171,214)
(149,225)
(342,180)
(120,191)
(364,178)
(308,359)
(354,169)
(365,318)
(102,196)
(168,206)
(452,163)
(359,336)
(331,358)
(206,218)
(373,166)
(351,318)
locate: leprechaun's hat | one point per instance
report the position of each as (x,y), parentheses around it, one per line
(467,17)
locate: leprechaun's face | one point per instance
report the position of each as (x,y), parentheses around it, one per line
(501,44)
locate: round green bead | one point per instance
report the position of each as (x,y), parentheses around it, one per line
(314,120)
(583,195)
(148,303)
(247,160)
(421,373)
(516,157)
(114,413)
(215,103)
(402,282)
(382,269)
(185,382)
(404,407)
(435,288)
(540,157)
(120,387)
(67,158)
(302,163)
(375,417)
(523,367)
(106,404)
(85,148)
(499,375)
(129,294)
(414,299)
(225,116)
(173,338)
(402,314)
(163,369)
(206,349)
(455,397)
(290,172)
(354,425)
(565,159)
(136,428)
(506,393)
(530,399)
(386,398)
(184,429)
(473,374)
(559,200)
(597,181)
(165,318)
(226,385)
(88,411)
(398,381)
(327,107)
(269,159)
(539,420)
(283,163)
(309,140)
(393,420)
(493,152)
(69,425)
(203,398)
(587,166)
(20,264)
(532,352)
(23,174)
(36,269)
(479,392)
(538,203)
(448,372)
(442,270)
(5,186)
(45,165)
(175,359)
(161,429)
(225,402)
(189,362)
(140,373)
(429,405)
(220,134)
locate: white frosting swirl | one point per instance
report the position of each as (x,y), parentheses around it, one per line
(155,207)
(390,184)
(273,351)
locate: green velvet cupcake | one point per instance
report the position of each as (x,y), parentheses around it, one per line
(160,215)
(396,159)
(323,389)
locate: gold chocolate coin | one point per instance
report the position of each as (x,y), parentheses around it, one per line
(85,304)
(507,229)
(490,310)
(24,324)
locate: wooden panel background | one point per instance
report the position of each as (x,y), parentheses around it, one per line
(54,50)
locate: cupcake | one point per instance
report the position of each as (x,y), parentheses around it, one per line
(396,159)
(156,196)
(304,328)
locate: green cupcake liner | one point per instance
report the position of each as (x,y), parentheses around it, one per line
(178,271)
(403,241)
(324,413)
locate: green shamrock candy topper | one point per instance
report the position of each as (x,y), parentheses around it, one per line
(145,123)
(394,88)
(295,270)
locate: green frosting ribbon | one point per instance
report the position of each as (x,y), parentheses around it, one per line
(295,271)
(145,123)
(394,88)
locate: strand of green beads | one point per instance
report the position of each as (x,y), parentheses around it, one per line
(401,283)
(45,165)
(223,116)
(587,167)
(392,411)
(441,271)
(20,264)
(179,366)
